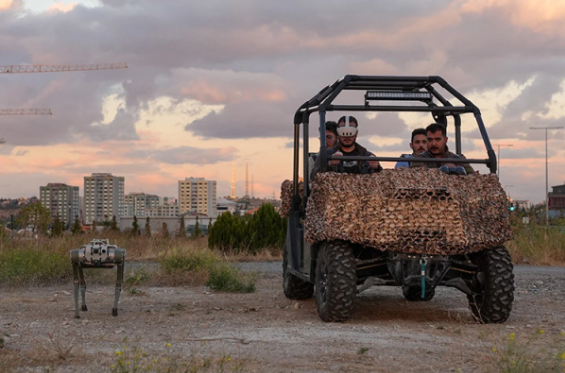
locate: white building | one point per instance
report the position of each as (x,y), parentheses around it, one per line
(198,195)
(61,200)
(138,203)
(103,198)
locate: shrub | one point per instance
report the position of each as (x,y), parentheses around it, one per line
(30,266)
(227,278)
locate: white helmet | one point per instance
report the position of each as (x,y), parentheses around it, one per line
(347,130)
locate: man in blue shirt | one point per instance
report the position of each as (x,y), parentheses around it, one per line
(418,144)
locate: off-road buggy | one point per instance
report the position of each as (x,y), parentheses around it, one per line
(416,228)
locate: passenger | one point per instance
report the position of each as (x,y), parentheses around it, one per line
(331,141)
(437,148)
(347,146)
(418,144)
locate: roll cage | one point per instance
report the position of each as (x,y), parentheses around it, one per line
(388,88)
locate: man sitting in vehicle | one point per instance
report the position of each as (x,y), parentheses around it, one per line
(418,144)
(331,141)
(437,148)
(347,136)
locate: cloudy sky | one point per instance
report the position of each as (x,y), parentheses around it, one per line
(215,83)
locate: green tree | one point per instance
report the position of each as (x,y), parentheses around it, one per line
(134,227)
(164,230)
(196,232)
(36,216)
(114,224)
(57,227)
(209,226)
(76,227)
(182,228)
(148,227)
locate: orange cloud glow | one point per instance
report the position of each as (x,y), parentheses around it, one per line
(61,7)
(205,92)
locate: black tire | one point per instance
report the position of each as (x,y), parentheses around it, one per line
(295,288)
(494,301)
(336,281)
(414,294)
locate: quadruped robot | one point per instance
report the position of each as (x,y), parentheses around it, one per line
(98,253)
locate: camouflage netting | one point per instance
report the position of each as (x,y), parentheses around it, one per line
(407,210)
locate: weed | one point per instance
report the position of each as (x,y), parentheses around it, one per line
(32,266)
(224,277)
(536,353)
(2,336)
(134,359)
(187,261)
(362,350)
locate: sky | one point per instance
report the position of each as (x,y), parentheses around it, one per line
(214,85)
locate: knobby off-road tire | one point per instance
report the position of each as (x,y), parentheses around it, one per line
(414,294)
(295,288)
(336,281)
(494,303)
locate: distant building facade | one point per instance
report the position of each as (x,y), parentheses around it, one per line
(138,203)
(61,200)
(164,211)
(103,197)
(556,198)
(197,195)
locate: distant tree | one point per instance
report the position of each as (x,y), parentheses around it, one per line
(94,225)
(164,230)
(209,226)
(114,224)
(57,227)
(182,228)
(134,227)
(36,216)
(148,227)
(196,232)
(76,227)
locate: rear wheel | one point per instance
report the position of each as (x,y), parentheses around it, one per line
(495,280)
(295,288)
(414,294)
(336,281)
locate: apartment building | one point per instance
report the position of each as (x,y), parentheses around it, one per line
(163,211)
(197,195)
(138,203)
(103,197)
(61,200)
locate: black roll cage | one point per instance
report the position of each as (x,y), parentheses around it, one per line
(322,103)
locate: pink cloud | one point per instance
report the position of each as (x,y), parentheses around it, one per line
(61,7)
(210,93)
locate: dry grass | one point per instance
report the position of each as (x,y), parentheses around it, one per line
(538,245)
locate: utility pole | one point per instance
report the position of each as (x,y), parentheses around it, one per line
(546,170)
(498,158)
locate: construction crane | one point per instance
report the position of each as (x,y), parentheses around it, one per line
(18,69)
(25,112)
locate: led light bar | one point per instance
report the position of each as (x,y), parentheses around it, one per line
(385,95)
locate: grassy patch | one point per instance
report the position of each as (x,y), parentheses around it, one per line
(538,244)
(538,352)
(133,359)
(32,266)
(224,277)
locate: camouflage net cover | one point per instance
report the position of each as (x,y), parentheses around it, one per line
(416,211)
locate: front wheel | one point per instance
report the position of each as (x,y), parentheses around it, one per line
(493,302)
(336,281)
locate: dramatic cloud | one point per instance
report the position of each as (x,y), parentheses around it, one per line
(188,155)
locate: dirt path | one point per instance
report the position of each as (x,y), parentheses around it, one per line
(264,331)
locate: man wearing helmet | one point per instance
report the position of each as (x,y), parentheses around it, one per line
(347,146)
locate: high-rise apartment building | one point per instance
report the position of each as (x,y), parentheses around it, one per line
(61,200)
(197,195)
(138,203)
(103,197)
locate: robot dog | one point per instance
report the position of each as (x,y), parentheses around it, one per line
(98,253)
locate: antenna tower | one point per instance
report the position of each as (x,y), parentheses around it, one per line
(252,194)
(233,180)
(247,179)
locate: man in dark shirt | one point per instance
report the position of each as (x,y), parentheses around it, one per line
(437,148)
(347,131)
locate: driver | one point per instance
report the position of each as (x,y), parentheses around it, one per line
(347,132)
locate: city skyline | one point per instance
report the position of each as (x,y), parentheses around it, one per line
(193,105)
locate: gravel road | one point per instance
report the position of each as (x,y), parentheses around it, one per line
(266,332)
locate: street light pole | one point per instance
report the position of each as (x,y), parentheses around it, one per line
(546,170)
(498,158)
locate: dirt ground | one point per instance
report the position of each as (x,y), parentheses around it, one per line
(264,331)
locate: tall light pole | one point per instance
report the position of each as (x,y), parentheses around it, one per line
(546,172)
(498,158)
